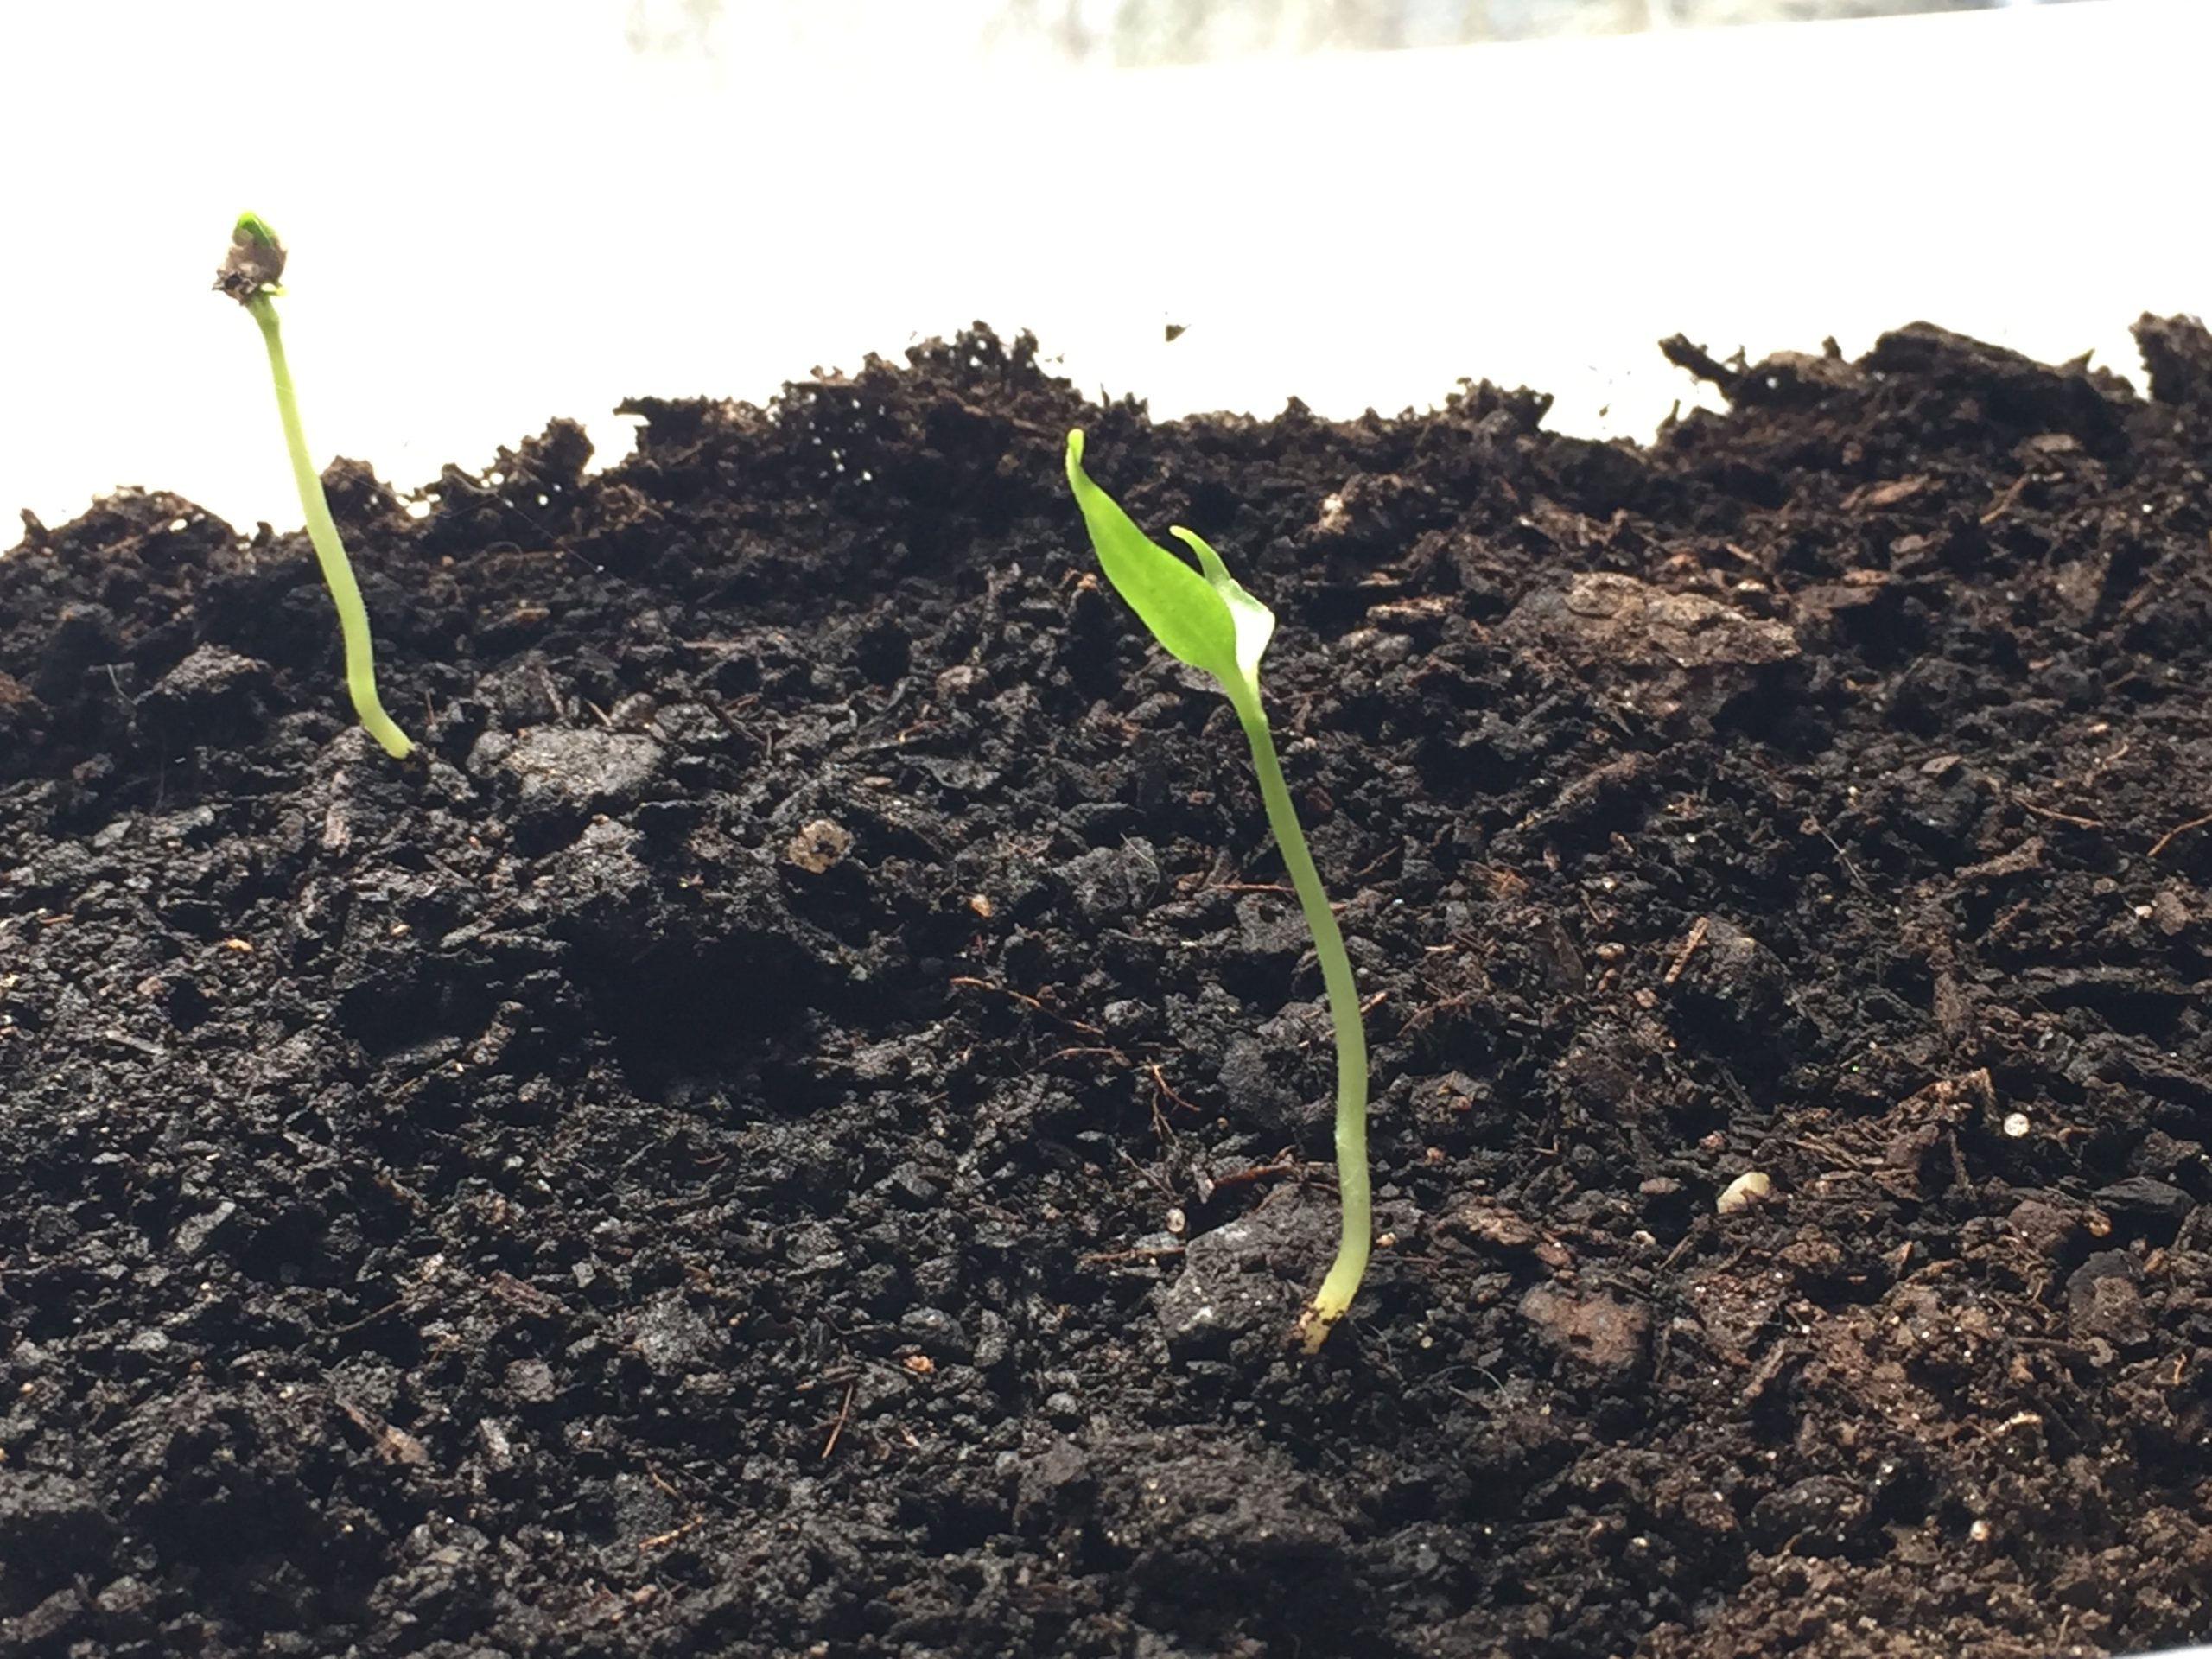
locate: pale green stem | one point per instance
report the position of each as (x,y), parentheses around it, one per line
(329,551)
(1342,1283)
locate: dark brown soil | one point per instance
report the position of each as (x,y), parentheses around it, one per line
(800,1127)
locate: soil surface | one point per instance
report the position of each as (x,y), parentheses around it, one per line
(798,1125)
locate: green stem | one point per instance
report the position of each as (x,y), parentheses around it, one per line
(329,551)
(1342,1283)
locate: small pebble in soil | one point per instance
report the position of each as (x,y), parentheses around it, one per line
(938,1332)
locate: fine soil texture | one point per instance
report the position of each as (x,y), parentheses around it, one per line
(799,1123)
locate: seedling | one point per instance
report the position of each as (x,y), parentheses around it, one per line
(250,275)
(1204,618)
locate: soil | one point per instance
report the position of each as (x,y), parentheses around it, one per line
(800,1124)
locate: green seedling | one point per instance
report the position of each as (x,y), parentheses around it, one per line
(1204,618)
(250,275)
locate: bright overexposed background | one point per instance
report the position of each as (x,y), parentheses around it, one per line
(501,211)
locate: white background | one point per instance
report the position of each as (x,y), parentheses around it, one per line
(499,212)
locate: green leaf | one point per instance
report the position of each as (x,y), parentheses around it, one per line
(1205,619)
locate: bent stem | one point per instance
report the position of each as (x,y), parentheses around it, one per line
(1334,1298)
(329,551)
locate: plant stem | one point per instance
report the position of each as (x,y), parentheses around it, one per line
(1342,1283)
(329,551)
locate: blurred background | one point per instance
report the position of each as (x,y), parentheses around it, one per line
(1132,34)
(501,211)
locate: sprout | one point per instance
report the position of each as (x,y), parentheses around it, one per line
(250,275)
(1205,619)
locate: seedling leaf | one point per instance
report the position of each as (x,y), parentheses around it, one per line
(1188,615)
